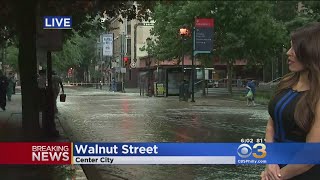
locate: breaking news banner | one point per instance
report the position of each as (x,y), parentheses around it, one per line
(159,153)
(35,153)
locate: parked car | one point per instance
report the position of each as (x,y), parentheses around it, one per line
(209,83)
(212,83)
(216,84)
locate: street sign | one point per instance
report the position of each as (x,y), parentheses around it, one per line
(123,70)
(107,40)
(203,38)
(133,65)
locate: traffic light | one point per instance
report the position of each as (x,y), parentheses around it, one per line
(126,61)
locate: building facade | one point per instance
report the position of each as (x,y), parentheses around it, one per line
(129,38)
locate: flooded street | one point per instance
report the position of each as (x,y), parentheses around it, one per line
(98,116)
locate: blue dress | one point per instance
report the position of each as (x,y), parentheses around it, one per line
(281,109)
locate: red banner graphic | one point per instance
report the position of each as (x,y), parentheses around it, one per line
(36,153)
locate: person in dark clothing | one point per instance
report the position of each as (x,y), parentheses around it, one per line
(295,108)
(3,91)
(42,80)
(14,85)
(56,84)
(10,86)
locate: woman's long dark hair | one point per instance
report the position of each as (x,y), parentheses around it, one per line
(306,45)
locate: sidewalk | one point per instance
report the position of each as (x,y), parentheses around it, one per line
(11,130)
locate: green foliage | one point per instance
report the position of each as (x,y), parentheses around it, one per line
(95,74)
(69,56)
(12,57)
(240,28)
(77,51)
(169,18)
(243,30)
(312,9)
(285,11)
(149,48)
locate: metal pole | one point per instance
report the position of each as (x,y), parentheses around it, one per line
(193,56)
(139,79)
(149,76)
(101,58)
(182,88)
(122,66)
(100,83)
(183,40)
(51,110)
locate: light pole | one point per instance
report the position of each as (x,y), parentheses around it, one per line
(148,40)
(193,56)
(184,33)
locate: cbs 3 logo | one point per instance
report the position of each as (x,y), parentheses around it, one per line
(245,150)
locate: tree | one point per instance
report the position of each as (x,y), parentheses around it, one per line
(233,21)
(12,57)
(69,56)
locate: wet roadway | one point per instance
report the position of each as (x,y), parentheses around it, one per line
(98,116)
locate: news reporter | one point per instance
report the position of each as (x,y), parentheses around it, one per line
(295,108)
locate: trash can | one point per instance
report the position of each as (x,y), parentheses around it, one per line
(184,91)
(181,92)
(119,86)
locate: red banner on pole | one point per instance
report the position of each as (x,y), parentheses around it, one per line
(204,23)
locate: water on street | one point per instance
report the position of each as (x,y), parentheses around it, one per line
(94,115)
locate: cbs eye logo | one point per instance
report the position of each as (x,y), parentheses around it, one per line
(245,151)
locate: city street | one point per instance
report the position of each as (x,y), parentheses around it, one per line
(94,115)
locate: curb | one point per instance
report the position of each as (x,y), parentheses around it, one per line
(88,170)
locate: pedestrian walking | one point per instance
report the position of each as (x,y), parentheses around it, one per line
(251,91)
(113,85)
(14,84)
(42,85)
(56,84)
(249,97)
(295,108)
(3,91)
(10,86)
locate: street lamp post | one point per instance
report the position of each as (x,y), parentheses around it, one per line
(184,33)
(148,40)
